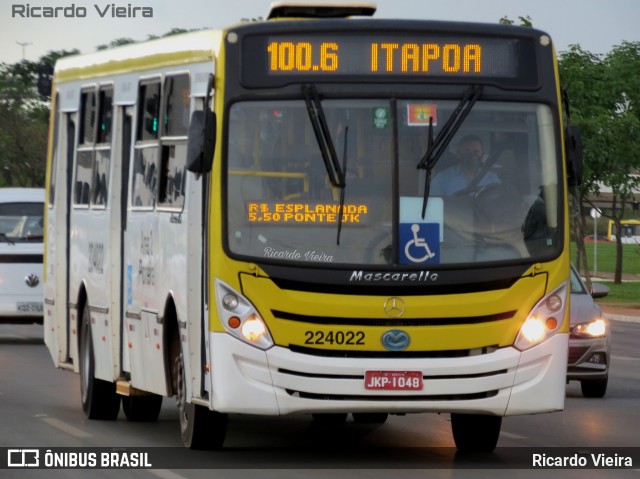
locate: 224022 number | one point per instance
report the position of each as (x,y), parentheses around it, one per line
(335,337)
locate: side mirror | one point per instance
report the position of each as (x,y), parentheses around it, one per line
(599,290)
(201,142)
(573,152)
(45,80)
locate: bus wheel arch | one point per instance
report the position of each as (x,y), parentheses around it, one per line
(200,427)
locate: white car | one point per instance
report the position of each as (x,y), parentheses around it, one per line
(21,250)
(589,341)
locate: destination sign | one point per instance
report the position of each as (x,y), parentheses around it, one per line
(343,55)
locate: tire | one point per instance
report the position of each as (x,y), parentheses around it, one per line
(594,389)
(200,427)
(99,398)
(142,408)
(370,417)
(475,432)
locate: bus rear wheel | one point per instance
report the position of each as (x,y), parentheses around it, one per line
(475,432)
(200,427)
(99,398)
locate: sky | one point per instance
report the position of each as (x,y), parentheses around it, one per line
(596,25)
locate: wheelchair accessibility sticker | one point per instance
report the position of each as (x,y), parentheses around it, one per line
(419,243)
(420,238)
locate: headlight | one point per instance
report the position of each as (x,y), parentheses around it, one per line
(592,329)
(544,319)
(240,318)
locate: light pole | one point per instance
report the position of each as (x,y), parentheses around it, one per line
(23,45)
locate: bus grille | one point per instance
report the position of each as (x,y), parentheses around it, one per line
(391,323)
(336,353)
(361,378)
(576,353)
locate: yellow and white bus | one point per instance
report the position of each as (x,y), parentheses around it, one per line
(630,231)
(254,220)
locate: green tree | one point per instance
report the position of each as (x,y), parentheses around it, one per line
(23,127)
(604,93)
(579,71)
(524,21)
(118,42)
(24,120)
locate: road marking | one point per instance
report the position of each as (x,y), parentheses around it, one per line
(12,336)
(64,427)
(165,474)
(510,435)
(624,358)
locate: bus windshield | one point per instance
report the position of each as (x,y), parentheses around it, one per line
(492,194)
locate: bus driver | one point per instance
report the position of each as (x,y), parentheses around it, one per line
(459,176)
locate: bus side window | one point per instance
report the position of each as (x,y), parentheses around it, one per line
(173,158)
(94,147)
(144,179)
(148,111)
(86,143)
(102,156)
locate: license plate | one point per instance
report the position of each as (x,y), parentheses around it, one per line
(29,307)
(393,380)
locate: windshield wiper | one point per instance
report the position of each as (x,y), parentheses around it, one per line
(335,172)
(438,146)
(344,183)
(321,130)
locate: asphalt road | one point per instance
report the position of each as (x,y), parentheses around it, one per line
(40,407)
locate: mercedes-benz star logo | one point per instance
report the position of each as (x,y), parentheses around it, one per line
(394,307)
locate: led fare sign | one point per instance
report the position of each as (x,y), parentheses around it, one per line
(305,213)
(355,55)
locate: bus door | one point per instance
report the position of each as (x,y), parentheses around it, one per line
(141,246)
(123,295)
(58,334)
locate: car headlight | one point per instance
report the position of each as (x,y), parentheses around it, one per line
(544,320)
(593,329)
(240,318)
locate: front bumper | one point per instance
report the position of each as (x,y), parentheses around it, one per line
(588,359)
(245,379)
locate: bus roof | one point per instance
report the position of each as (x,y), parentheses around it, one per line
(173,50)
(316,9)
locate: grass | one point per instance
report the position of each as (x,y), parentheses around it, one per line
(622,293)
(606,257)
(627,292)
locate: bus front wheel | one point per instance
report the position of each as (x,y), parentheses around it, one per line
(475,432)
(200,427)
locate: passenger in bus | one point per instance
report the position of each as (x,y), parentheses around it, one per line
(463,173)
